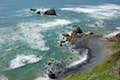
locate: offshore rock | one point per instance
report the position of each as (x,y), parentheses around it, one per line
(50,12)
(33,9)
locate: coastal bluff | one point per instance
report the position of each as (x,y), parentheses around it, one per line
(95,46)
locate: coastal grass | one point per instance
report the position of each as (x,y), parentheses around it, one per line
(108,70)
(116,46)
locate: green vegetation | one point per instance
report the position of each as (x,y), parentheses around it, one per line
(116,46)
(107,70)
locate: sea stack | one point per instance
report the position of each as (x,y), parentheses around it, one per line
(50,12)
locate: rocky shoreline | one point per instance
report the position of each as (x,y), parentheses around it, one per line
(94,43)
(78,40)
(109,62)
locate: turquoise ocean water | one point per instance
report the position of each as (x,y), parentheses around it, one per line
(28,40)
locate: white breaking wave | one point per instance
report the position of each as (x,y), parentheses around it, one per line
(118,28)
(42,78)
(32,36)
(32,32)
(2,77)
(22,60)
(112,34)
(23,13)
(105,11)
(82,59)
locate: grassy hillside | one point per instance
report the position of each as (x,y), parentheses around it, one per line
(107,70)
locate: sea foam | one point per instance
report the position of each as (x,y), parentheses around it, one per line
(22,60)
(105,11)
(32,32)
(83,58)
(112,34)
(42,78)
(2,77)
(27,12)
(118,28)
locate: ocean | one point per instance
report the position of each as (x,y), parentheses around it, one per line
(28,40)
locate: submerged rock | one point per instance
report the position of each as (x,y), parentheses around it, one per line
(96,24)
(50,12)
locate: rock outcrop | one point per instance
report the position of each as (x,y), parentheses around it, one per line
(50,12)
(53,68)
(77,30)
(52,75)
(46,12)
(74,36)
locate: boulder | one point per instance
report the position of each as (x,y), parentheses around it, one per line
(33,9)
(52,75)
(77,30)
(50,12)
(96,24)
(66,35)
(89,33)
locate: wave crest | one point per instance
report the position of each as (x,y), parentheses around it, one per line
(112,34)
(105,11)
(2,77)
(31,32)
(42,78)
(22,60)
